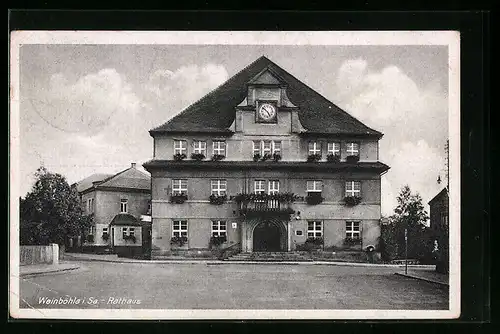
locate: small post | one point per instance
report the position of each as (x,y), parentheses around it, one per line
(406,251)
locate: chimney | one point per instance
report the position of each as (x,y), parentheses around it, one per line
(133,165)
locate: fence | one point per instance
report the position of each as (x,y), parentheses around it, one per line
(39,254)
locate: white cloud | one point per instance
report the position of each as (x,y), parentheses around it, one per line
(413,119)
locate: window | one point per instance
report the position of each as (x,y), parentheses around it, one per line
(276,147)
(256,147)
(124,232)
(353,188)
(352,149)
(444,219)
(334,148)
(352,230)
(298,233)
(219,187)
(314,229)
(314,186)
(131,231)
(180,147)
(180,228)
(91,230)
(273,187)
(199,147)
(259,187)
(266,147)
(90,205)
(314,147)
(105,230)
(219,147)
(123,205)
(179,187)
(263,147)
(219,228)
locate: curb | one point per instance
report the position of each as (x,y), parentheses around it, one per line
(45,272)
(422,279)
(219,262)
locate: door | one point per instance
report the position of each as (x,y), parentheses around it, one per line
(266,237)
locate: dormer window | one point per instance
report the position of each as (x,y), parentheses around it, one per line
(219,147)
(262,148)
(200,147)
(334,148)
(314,148)
(352,149)
(180,147)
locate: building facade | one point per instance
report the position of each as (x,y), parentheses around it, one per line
(120,205)
(265,163)
(439,224)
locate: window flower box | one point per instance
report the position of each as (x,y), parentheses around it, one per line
(314,198)
(313,157)
(197,156)
(276,157)
(352,159)
(179,157)
(217,200)
(90,238)
(333,158)
(266,156)
(352,200)
(179,241)
(105,236)
(216,241)
(352,241)
(318,241)
(311,244)
(178,198)
(218,157)
(130,237)
(256,157)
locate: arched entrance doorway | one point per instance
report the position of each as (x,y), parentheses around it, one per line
(266,237)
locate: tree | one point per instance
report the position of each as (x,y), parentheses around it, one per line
(410,215)
(51,211)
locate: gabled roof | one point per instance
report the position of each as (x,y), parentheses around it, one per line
(130,178)
(215,112)
(87,182)
(443,192)
(125,219)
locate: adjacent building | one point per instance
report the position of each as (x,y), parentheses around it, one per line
(264,163)
(439,225)
(121,206)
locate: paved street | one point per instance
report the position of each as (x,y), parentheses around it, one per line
(231,286)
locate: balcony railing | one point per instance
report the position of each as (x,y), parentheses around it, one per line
(262,204)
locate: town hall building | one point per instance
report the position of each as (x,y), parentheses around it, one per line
(265,164)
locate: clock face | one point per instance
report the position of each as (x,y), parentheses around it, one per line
(267,112)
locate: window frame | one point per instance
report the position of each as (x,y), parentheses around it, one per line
(123,205)
(124,232)
(353,191)
(218,190)
(352,151)
(218,149)
(105,230)
(179,190)
(182,149)
(221,228)
(334,149)
(314,182)
(316,147)
(350,231)
(200,149)
(261,190)
(315,233)
(180,230)
(259,147)
(131,231)
(273,190)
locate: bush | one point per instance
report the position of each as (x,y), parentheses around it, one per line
(352,241)
(197,156)
(217,200)
(179,157)
(216,241)
(256,157)
(352,200)
(178,198)
(129,237)
(313,157)
(352,159)
(218,157)
(333,158)
(276,157)
(90,238)
(105,236)
(314,198)
(266,156)
(179,241)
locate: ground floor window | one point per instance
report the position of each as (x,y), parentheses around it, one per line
(131,231)
(219,228)
(352,230)
(314,229)
(124,232)
(180,228)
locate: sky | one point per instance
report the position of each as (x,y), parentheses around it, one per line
(87,109)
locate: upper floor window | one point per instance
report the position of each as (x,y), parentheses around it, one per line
(353,188)
(273,187)
(219,147)
(200,147)
(123,205)
(180,147)
(219,228)
(180,228)
(219,187)
(124,232)
(334,148)
(259,186)
(276,147)
(263,147)
(352,230)
(179,186)
(444,219)
(131,231)
(352,149)
(314,229)
(314,147)
(105,230)
(314,186)
(90,205)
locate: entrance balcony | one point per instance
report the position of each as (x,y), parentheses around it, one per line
(264,204)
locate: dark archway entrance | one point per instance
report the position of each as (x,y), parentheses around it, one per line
(266,237)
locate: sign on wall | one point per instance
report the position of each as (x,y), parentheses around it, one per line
(234,225)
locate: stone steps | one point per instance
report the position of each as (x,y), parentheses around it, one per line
(270,257)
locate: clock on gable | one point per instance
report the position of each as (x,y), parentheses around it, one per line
(266,112)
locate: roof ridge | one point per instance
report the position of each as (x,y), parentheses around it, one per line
(320,95)
(113,176)
(213,91)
